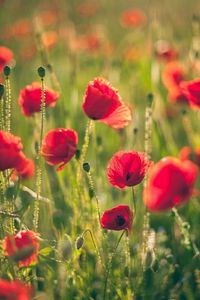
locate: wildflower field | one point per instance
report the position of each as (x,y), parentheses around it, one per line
(99,150)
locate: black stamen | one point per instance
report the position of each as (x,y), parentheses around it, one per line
(120,221)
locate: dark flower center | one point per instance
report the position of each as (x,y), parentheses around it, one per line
(120,221)
(128,176)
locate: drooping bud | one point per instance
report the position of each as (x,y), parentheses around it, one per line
(79,242)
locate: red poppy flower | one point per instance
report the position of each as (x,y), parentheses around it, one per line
(87,9)
(23,247)
(14,290)
(30,98)
(25,167)
(187,153)
(10,150)
(118,218)
(170,184)
(102,102)
(191,90)
(6,55)
(127,168)
(132,18)
(172,76)
(164,51)
(59,146)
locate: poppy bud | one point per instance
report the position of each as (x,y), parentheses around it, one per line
(79,242)
(86,167)
(6,71)
(1,90)
(41,72)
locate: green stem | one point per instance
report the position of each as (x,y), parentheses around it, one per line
(8,105)
(110,264)
(39,162)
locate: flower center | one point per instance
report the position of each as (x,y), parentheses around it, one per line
(120,221)
(128,176)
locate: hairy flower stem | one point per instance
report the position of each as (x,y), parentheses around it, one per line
(148,147)
(110,265)
(39,162)
(91,188)
(84,149)
(2,120)
(184,229)
(8,104)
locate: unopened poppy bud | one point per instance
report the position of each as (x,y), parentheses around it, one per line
(6,71)
(78,154)
(149,99)
(1,90)
(79,242)
(86,167)
(41,72)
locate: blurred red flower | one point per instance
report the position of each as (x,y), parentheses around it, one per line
(10,150)
(14,290)
(23,247)
(102,102)
(6,56)
(127,168)
(87,8)
(191,90)
(48,17)
(187,153)
(59,146)
(132,18)
(118,218)
(30,98)
(172,76)
(165,52)
(170,184)
(25,167)
(49,39)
